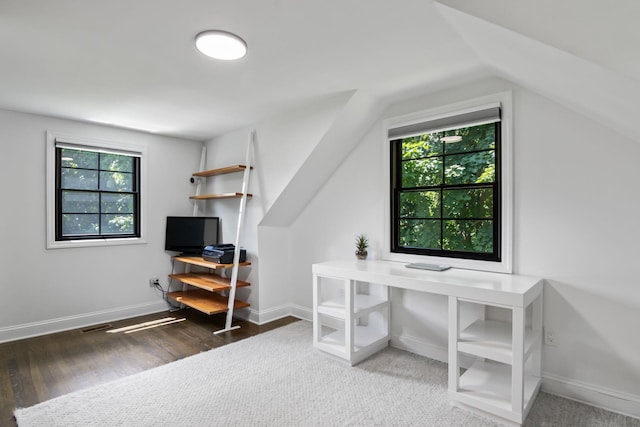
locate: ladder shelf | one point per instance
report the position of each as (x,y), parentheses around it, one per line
(206,298)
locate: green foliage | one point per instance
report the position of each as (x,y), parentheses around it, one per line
(362,243)
(420,234)
(436,216)
(107,205)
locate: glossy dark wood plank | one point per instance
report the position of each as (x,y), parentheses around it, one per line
(41,368)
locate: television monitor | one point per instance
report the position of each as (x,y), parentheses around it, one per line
(190,234)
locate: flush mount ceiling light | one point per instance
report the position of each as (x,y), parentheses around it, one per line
(221,45)
(452,138)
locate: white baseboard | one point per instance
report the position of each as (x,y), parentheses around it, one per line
(34,329)
(247,314)
(611,400)
(420,347)
(265,316)
(423,348)
(301,312)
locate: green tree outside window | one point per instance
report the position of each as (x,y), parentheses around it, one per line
(98,194)
(446,198)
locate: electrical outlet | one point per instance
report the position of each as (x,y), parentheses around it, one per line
(549,337)
(153,282)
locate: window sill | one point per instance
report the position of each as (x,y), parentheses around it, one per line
(95,242)
(503,266)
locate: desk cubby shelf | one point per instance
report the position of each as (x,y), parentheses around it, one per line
(362,304)
(352,326)
(491,339)
(364,338)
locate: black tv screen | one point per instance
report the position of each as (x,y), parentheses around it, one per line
(190,234)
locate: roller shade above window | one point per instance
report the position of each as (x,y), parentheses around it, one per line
(75,146)
(490,114)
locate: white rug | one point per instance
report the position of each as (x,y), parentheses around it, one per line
(273,379)
(279,379)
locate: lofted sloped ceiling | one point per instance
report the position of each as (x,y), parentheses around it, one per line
(562,51)
(133,64)
(357,116)
(599,31)
(582,54)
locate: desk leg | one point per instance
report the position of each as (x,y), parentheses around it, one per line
(454,335)
(388,318)
(517,367)
(316,321)
(536,324)
(349,329)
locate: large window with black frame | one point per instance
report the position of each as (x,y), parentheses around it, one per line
(445,186)
(97,193)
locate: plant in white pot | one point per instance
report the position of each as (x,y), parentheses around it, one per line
(361,246)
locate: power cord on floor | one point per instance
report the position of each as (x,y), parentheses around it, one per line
(159,287)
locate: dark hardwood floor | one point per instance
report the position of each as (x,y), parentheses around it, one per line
(37,369)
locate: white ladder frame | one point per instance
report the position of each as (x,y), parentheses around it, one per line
(236,254)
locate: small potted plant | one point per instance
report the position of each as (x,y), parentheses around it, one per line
(361,246)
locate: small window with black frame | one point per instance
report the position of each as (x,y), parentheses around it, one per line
(445,187)
(97,193)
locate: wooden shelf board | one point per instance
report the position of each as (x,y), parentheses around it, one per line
(207,281)
(219,196)
(206,302)
(221,171)
(201,262)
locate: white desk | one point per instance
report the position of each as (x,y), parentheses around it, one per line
(498,383)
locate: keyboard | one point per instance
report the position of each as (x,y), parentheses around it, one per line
(425,266)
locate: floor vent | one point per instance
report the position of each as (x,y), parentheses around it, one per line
(96,328)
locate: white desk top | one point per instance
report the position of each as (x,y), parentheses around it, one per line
(504,289)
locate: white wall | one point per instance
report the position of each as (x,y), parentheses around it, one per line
(48,290)
(575,210)
(282,144)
